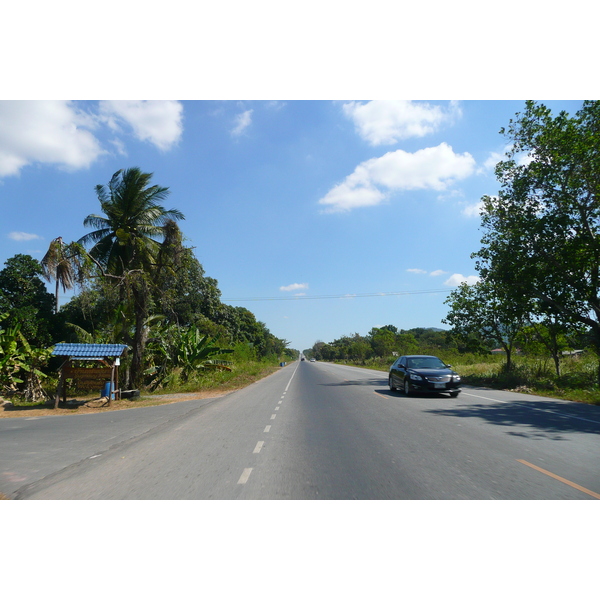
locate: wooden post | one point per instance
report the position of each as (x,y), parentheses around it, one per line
(62,388)
(118,389)
(59,389)
(112,385)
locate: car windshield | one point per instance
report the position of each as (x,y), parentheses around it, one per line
(425,362)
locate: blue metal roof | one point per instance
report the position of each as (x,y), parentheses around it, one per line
(88,350)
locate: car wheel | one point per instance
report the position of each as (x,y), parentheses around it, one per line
(406,388)
(393,388)
(453,394)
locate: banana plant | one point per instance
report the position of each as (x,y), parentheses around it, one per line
(19,364)
(184,352)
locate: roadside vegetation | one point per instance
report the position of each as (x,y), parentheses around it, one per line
(134,282)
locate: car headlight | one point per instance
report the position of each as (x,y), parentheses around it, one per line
(416,377)
(456,378)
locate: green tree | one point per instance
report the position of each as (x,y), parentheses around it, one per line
(480,310)
(542,231)
(547,336)
(125,243)
(406,343)
(23,296)
(383,341)
(183,293)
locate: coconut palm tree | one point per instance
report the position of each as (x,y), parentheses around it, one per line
(126,241)
(59,265)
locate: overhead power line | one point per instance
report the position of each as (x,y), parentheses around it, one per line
(335,296)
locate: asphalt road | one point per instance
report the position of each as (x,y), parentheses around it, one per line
(312,431)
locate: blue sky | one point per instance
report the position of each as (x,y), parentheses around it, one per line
(324,218)
(292,182)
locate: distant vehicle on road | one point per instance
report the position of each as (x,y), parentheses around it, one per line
(312,360)
(418,373)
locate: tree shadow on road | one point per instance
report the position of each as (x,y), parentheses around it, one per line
(533,418)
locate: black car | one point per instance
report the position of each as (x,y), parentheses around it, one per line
(423,374)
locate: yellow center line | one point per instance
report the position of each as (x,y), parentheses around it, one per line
(562,479)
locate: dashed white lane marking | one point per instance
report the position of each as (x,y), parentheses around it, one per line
(267,429)
(277,408)
(280,402)
(245,475)
(258,447)
(273,416)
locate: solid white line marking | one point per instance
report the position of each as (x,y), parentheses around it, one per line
(267,429)
(553,412)
(485,398)
(273,416)
(258,447)
(292,377)
(245,475)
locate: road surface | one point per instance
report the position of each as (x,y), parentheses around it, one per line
(312,431)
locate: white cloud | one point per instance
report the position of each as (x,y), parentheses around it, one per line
(473,210)
(61,133)
(242,122)
(387,121)
(423,272)
(21,236)
(429,168)
(521,158)
(524,159)
(54,132)
(451,195)
(493,159)
(294,286)
(156,121)
(457,279)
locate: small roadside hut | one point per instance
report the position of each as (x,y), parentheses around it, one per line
(89,378)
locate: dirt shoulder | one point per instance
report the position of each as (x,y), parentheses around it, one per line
(94,404)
